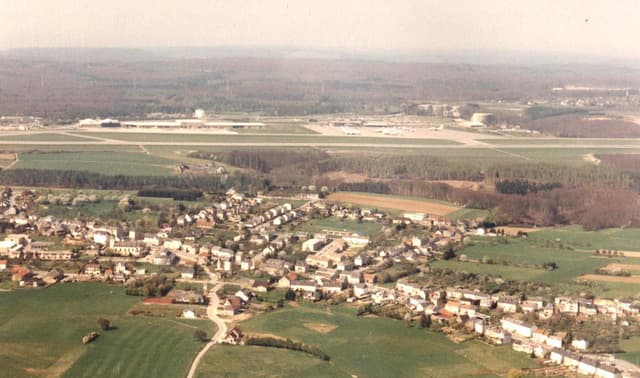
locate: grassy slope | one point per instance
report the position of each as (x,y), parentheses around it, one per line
(41,332)
(366,347)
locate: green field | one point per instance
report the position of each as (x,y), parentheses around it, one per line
(569,247)
(41,332)
(631,348)
(358,346)
(468,214)
(43,137)
(109,163)
(626,239)
(335,224)
(563,141)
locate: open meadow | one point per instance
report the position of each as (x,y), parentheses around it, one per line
(569,247)
(357,346)
(41,332)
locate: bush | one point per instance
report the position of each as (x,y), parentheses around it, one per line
(288,344)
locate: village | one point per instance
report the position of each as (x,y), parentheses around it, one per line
(268,253)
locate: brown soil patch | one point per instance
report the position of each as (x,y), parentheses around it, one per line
(616,266)
(630,253)
(320,327)
(603,278)
(345,176)
(514,230)
(470,185)
(6,156)
(394,203)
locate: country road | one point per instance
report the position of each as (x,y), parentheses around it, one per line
(319,144)
(212,313)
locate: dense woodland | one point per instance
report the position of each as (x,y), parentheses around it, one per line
(90,180)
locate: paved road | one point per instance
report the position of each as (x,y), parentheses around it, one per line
(212,313)
(435,145)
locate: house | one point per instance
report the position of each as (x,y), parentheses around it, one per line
(189,314)
(187,273)
(151,239)
(556,340)
(260,286)
(507,304)
(557,355)
(233,336)
(55,255)
(532,304)
(307,286)
(540,335)
(188,296)
(370,278)
(127,248)
(164,257)
(360,290)
(93,269)
(523,346)
(606,371)
(312,245)
(356,240)
(53,276)
(353,277)
(580,344)
(497,336)
(20,274)
(518,327)
(3,264)
(571,359)
(587,366)
(274,267)
(332,286)
(362,260)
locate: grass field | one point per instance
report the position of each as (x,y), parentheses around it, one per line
(631,348)
(567,246)
(41,332)
(563,141)
(43,137)
(109,163)
(318,225)
(381,201)
(363,347)
(626,239)
(466,213)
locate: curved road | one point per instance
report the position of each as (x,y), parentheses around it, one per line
(212,310)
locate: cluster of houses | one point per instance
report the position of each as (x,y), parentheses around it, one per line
(464,306)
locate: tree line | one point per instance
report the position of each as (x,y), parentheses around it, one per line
(91,180)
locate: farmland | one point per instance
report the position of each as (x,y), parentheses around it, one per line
(48,343)
(394,203)
(569,247)
(126,163)
(358,346)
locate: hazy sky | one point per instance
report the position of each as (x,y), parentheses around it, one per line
(612,29)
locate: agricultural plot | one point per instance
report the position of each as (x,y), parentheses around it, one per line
(41,332)
(623,239)
(407,204)
(359,346)
(108,163)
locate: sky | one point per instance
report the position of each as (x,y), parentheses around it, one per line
(592,27)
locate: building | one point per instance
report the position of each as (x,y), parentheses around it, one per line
(517,327)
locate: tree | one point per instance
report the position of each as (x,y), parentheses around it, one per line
(104,324)
(200,335)
(449,253)
(425,321)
